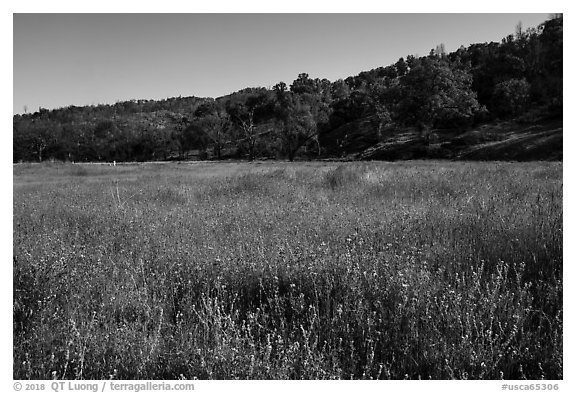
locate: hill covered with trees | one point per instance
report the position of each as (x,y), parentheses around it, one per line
(488,101)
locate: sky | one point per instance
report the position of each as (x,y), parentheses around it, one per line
(89,59)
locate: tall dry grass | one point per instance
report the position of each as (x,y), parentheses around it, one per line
(288,271)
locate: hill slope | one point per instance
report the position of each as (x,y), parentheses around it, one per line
(503,140)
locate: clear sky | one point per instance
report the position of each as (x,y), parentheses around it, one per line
(84,59)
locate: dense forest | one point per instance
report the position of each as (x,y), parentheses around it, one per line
(518,79)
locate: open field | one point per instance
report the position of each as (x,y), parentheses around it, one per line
(286,271)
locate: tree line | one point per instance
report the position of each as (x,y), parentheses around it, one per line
(518,77)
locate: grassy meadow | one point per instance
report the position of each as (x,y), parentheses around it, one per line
(273,270)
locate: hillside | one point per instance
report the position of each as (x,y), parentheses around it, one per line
(500,140)
(490,101)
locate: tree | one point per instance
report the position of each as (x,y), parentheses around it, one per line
(194,136)
(105,133)
(180,131)
(214,121)
(440,50)
(302,111)
(340,90)
(401,67)
(297,125)
(248,115)
(511,97)
(378,105)
(434,94)
(551,67)
(303,85)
